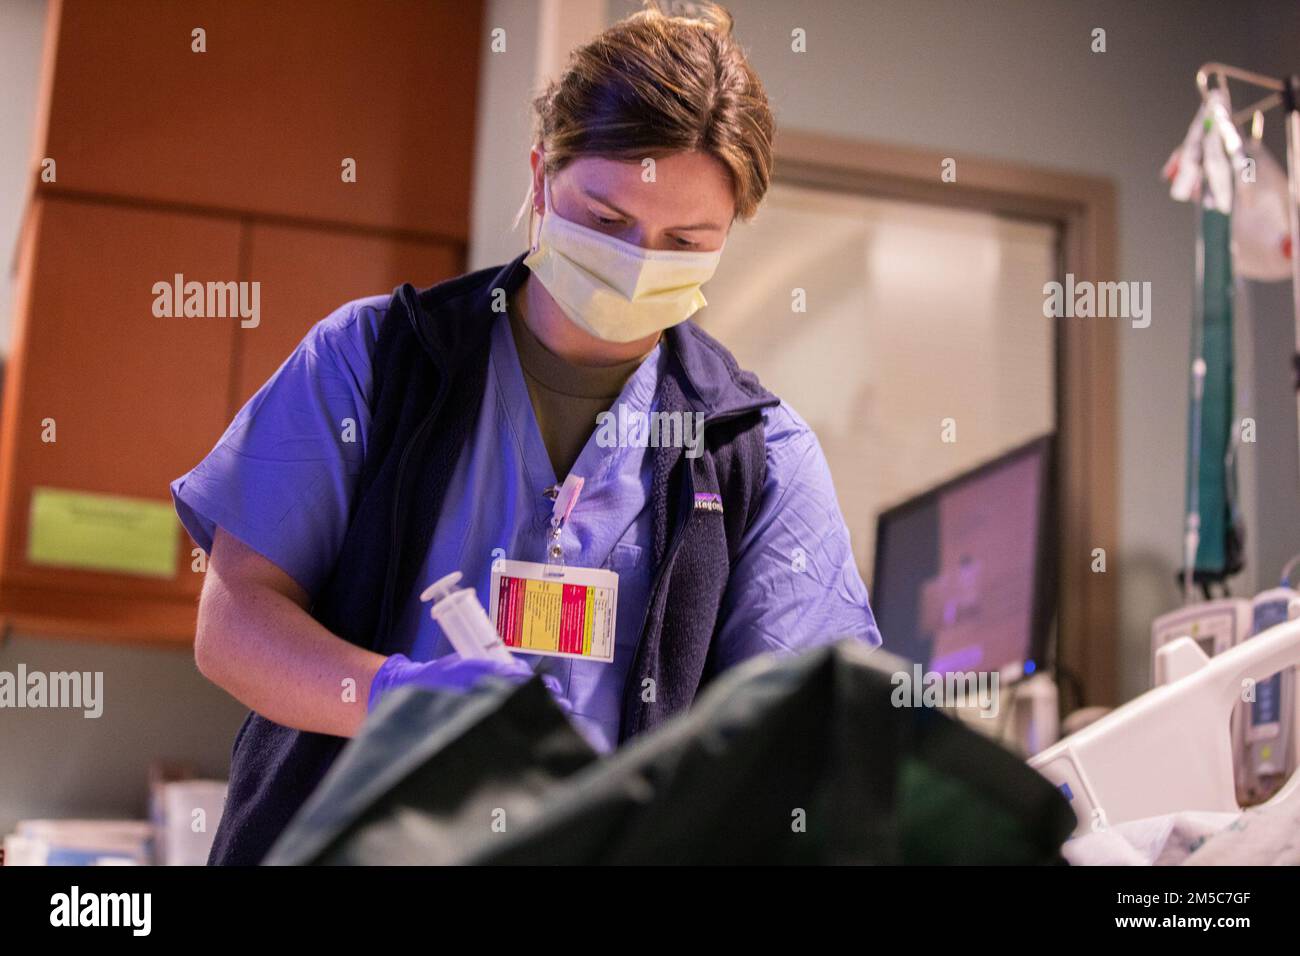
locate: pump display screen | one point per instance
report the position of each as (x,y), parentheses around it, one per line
(1267,708)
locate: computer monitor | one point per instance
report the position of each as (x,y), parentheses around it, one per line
(964,572)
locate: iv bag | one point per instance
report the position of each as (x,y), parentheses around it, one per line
(1260,230)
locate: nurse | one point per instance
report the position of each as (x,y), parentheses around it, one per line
(412,435)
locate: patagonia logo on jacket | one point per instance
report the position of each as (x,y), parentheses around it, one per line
(708,501)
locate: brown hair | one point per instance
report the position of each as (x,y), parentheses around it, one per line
(656,83)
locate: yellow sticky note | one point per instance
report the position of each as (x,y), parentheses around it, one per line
(79,529)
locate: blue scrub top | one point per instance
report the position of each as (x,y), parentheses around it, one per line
(282,476)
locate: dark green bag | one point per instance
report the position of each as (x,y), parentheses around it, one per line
(791,760)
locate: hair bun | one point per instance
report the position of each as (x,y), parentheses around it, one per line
(716,17)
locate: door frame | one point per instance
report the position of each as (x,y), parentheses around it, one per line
(1082,208)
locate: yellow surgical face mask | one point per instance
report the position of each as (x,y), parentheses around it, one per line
(613,289)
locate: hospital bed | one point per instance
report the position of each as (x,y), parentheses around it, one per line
(1170,751)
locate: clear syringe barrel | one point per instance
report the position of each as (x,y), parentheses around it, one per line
(467,626)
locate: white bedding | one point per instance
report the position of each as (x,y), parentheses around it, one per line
(1260,836)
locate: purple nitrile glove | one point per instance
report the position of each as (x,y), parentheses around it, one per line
(455,673)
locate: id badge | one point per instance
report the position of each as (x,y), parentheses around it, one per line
(556,611)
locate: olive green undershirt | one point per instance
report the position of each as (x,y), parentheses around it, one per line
(566,398)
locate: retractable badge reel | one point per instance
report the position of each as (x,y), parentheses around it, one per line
(554,608)
(566,499)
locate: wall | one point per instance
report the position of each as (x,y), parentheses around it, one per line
(22,30)
(59,763)
(538,35)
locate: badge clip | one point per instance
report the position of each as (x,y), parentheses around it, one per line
(566,499)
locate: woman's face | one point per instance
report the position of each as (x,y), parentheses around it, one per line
(687,206)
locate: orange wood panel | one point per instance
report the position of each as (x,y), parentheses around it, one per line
(263,119)
(306,274)
(136,399)
(117,618)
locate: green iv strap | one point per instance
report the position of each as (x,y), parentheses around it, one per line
(1218,553)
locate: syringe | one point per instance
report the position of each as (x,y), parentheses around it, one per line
(462,618)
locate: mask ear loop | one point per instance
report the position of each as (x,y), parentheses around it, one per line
(535,241)
(532,212)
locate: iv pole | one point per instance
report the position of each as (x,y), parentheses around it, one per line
(1284,93)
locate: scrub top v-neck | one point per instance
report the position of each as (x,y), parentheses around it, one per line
(496,508)
(567,398)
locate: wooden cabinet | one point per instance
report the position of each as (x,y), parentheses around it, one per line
(306,274)
(222,167)
(132,398)
(262,121)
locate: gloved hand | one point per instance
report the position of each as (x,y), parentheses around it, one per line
(455,673)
